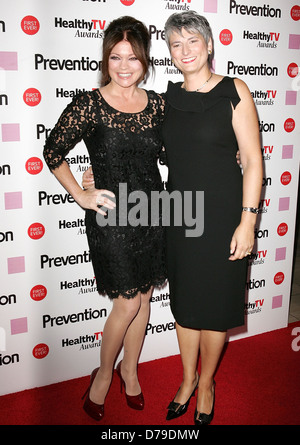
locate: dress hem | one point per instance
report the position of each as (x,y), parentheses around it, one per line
(210,327)
(129,294)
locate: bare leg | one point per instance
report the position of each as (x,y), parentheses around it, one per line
(123,312)
(133,342)
(189,341)
(211,346)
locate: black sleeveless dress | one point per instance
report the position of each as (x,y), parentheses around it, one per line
(207,291)
(124,149)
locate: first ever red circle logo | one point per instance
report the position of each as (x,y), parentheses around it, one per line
(226,37)
(32,97)
(36,231)
(38,292)
(289,125)
(30,25)
(285,178)
(279,278)
(295,12)
(34,165)
(282,229)
(40,351)
(293,69)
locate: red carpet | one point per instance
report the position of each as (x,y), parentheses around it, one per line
(257,383)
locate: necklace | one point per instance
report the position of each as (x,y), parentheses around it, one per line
(200,88)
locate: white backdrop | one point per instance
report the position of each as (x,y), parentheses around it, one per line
(51,316)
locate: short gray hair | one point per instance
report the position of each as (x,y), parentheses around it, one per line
(192,22)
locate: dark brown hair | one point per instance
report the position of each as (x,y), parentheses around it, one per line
(136,33)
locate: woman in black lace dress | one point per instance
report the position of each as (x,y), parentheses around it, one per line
(120,125)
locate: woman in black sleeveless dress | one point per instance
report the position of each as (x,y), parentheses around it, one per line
(207,119)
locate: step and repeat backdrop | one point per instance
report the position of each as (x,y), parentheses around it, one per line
(51,316)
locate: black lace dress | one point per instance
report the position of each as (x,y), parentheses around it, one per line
(124,150)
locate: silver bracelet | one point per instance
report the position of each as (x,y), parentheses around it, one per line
(250,209)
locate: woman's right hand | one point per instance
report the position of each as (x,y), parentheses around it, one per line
(96,199)
(92,198)
(88,179)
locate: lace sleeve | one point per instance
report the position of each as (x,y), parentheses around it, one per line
(161,106)
(68,131)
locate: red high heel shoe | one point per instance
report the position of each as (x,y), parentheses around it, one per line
(92,409)
(134,402)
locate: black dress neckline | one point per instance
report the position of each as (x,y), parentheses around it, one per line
(124,112)
(183,100)
(204,92)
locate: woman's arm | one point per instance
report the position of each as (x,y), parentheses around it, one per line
(68,131)
(88,199)
(245,125)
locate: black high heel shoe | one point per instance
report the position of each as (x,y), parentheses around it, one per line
(92,409)
(176,409)
(134,402)
(202,418)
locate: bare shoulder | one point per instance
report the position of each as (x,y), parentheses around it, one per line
(246,103)
(218,77)
(242,88)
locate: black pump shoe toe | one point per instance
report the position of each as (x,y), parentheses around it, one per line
(176,409)
(202,418)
